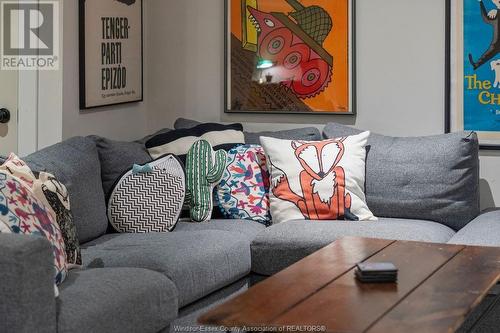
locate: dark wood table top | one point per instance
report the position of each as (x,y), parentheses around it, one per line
(438,286)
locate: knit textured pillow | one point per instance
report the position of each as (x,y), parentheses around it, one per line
(204,170)
(21,212)
(243,192)
(318,180)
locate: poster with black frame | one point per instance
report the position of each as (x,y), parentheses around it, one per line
(473,69)
(111,52)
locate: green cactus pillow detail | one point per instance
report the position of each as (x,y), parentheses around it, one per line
(204,171)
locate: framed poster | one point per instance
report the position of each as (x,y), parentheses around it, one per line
(290,56)
(473,76)
(111,51)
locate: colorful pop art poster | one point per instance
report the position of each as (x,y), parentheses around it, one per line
(289,56)
(475,69)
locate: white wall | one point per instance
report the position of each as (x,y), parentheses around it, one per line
(123,122)
(400,62)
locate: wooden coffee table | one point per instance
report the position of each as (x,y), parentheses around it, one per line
(438,287)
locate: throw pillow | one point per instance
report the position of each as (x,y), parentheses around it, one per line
(118,157)
(178,142)
(305,133)
(21,212)
(318,180)
(57,198)
(204,170)
(433,178)
(148,198)
(54,196)
(243,192)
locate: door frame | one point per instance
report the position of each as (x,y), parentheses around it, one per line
(40,104)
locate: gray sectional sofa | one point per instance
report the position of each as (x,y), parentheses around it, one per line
(157,282)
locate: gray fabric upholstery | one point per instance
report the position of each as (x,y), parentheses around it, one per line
(75,162)
(306,133)
(116,158)
(283,244)
(146,138)
(484,230)
(198,262)
(116,300)
(27,300)
(188,316)
(247,229)
(303,133)
(432,178)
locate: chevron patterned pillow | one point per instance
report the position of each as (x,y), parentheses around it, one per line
(148,198)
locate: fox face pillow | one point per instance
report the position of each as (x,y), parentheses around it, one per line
(318,180)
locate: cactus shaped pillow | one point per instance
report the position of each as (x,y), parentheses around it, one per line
(204,171)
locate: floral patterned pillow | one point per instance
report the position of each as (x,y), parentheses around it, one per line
(55,197)
(243,192)
(22,213)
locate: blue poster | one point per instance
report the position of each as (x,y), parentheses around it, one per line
(481,65)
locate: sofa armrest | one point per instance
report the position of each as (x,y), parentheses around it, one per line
(484,230)
(27,299)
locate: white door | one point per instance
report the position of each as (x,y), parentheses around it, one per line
(8,111)
(9,93)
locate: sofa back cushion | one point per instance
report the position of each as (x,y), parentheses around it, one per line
(253,138)
(118,157)
(75,162)
(431,178)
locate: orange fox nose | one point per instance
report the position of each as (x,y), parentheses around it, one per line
(321,174)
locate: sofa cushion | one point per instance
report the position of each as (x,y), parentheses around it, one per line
(244,228)
(27,302)
(251,138)
(117,157)
(433,178)
(284,244)
(198,262)
(116,300)
(75,163)
(484,230)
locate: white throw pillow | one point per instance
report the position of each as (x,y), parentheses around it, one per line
(318,180)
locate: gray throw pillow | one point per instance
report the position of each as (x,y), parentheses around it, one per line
(305,133)
(75,163)
(117,157)
(432,178)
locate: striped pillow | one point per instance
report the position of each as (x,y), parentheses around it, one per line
(179,141)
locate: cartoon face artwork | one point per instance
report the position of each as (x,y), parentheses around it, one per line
(299,67)
(492,18)
(318,180)
(322,181)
